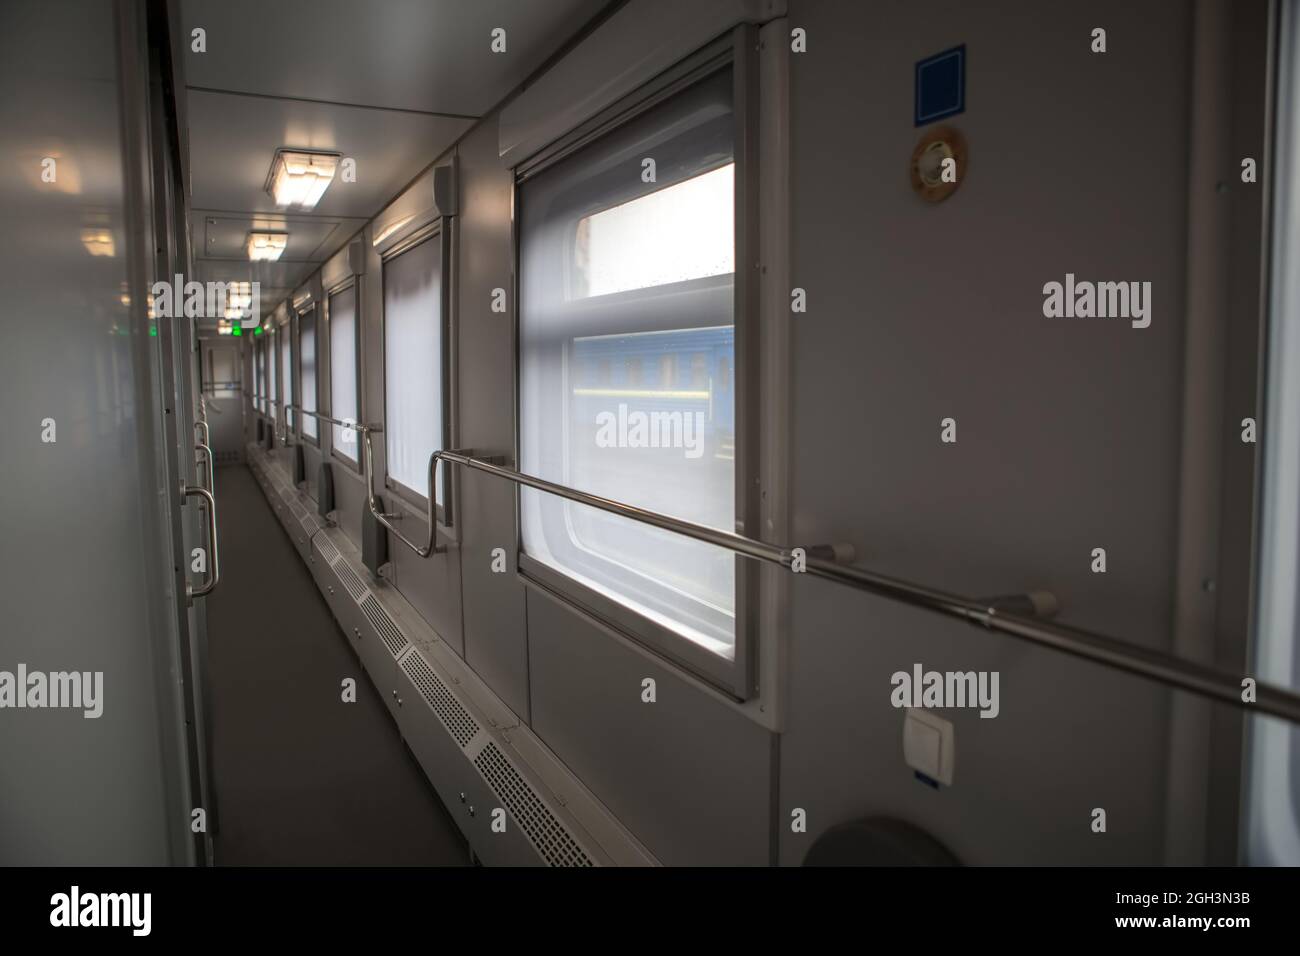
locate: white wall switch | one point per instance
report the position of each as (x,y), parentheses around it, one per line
(928,745)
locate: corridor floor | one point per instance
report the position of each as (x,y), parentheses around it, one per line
(302,778)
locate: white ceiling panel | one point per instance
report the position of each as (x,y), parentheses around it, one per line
(389,84)
(271,275)
(234,138)
(429,55)
(226,237)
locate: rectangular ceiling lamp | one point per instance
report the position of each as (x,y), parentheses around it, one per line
(266,246)
(98,242)
(298,179)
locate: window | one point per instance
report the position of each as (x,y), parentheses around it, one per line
(286,369)
(307,370)
(1273,785)
(271,342)
(259,375)
(627,351)
(413,392)
(343,370)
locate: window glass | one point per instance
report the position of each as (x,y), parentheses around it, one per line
(286,368)
(343,370)
(681,232)
(627,346)
(307,375)
(259,375)
(413,364)
(271,393)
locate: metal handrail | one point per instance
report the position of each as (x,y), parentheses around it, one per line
(207,435)
(212,474)
(1186,675)
(336,421)
(430,545)
(214,565)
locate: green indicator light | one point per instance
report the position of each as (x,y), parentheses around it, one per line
(237,330)
(257,331)
(153,330)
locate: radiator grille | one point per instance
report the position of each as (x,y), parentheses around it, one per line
(327,550)
(351,581)
(455,717)
(384,626)
(543,830)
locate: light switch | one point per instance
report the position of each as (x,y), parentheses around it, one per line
(928,744)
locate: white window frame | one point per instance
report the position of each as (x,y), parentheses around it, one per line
(409,497)
(736,677)
(1270,824)
(298,324)
(287,342)
(273,387)
(259,366)
(349,283)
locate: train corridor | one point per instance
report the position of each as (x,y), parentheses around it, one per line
(302,778)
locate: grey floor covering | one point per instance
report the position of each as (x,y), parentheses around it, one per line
(303,779)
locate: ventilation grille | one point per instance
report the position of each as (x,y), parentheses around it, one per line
(351,581)
(455,717)
(309,522)
(388,632)
(328,551)
(545,832)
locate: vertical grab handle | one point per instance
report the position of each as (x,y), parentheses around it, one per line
(207,459)
(214,566)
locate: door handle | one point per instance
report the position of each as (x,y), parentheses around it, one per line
(214,566)
(207,457)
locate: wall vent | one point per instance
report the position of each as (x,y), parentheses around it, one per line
(544,831)
(387,630)
(351,581)
(450,711)
(328,551)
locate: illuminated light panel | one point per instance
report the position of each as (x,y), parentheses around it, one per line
(266,246)
(239,297)
(98,242)
(298,179)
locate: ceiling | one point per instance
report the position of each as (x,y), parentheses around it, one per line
(388,83)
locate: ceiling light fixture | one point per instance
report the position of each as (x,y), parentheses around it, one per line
(266,246)
(98,242)
(299,178)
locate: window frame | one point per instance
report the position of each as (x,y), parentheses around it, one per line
(273,386)
(738,677)
(259,356)
(288,339)
(297,320)
(348,283)
(440,228)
